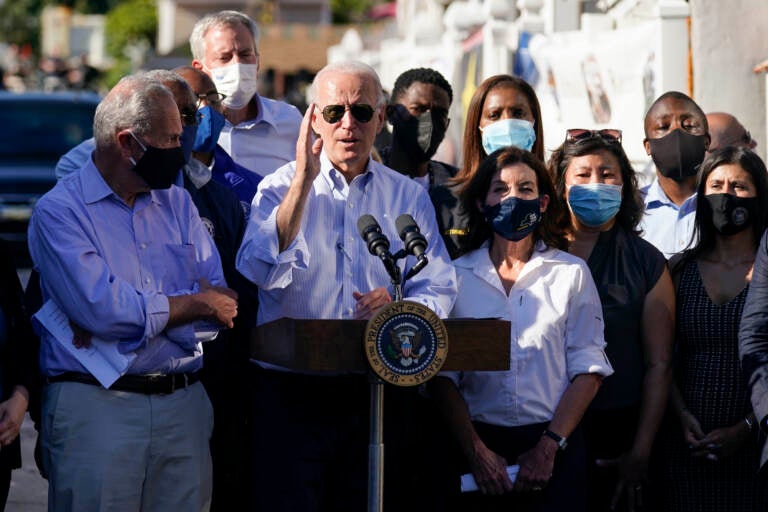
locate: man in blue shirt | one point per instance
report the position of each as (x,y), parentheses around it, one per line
(302,249)
(676,137)
(124,255)
(259,133)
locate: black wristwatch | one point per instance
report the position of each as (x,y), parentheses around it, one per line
(560,440)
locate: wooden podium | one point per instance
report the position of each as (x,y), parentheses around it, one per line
(337,346)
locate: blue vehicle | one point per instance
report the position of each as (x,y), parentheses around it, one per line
(36,128)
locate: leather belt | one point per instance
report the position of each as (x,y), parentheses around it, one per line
(145,384)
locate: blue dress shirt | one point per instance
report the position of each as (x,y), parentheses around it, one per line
(667,226)
(111,269)
(328,260)
(267,142)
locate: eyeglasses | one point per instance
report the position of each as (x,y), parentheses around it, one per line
(191,118)
(579,135)
(212,98)
(360,111)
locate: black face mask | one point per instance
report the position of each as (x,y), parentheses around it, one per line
(678,155)
(159,167)
(417,137)
(730,214)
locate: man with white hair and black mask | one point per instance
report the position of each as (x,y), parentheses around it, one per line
(124,256)
(260,134)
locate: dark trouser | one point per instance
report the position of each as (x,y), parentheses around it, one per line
(5,486)
(608,434)
(566,490)
(310,442)
(225,378)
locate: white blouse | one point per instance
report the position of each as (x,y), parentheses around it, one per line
(556,334)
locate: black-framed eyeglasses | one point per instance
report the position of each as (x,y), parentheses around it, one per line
(360,111)
(191,118)
(578,135)
(212,98)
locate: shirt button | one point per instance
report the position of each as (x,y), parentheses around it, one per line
(147,280)
(351,239)
(143,246)
(351,205)
(349,311)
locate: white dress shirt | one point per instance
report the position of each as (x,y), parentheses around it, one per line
(328,260)
(556,334)
(667,226)
(267,142)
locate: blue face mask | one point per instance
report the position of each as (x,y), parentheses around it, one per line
(594,204)
(508,132)
(513,218)
(208,131)
(187,140)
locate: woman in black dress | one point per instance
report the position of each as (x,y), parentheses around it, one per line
(18,369)
(594,177)
(711,455)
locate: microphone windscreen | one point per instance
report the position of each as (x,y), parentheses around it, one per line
(365,223)
(405,223)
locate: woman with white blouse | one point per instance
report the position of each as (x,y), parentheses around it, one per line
(528,415)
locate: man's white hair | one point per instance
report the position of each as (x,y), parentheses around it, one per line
(219,19)
(350,68)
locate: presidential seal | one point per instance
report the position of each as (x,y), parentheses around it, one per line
(406,343)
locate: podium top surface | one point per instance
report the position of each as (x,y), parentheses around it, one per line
(337,345)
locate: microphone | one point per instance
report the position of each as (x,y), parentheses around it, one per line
(378,244)
(414,242)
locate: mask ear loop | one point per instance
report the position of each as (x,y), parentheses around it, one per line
(143,147)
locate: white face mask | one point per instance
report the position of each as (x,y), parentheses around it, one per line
(238,81)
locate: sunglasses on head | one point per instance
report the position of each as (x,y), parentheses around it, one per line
(360,111)
(578,135)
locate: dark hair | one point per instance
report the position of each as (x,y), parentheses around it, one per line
(422,75)
(631,211)
(704,230)
(549,229)
(472,145)
(679,96)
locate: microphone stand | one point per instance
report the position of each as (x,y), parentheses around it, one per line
(376,416)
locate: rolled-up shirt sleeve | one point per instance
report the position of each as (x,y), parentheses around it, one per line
(259,258)
(584,339)
(78,279)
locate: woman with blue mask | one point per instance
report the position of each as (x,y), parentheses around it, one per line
(528,416)
(595,179)
(503,112)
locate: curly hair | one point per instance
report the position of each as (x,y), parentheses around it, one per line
(421,75)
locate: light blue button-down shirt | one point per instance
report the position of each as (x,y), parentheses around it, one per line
(267,142)
(666,225)
(328,260)
(111,269)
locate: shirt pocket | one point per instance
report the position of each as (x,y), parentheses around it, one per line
(176,268)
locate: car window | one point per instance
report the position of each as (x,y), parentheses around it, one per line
(43,131)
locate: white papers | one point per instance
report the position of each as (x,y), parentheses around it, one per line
(102,359)
(468,483)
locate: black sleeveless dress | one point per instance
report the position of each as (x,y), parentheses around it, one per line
(708,373)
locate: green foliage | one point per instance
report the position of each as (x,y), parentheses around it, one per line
(131,22)
(349,11)
(20,21)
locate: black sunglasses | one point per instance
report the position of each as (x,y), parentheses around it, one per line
(212,98)
(578,135)
(191,118)
(360,111)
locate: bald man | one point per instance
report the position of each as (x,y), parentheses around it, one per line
(726,130)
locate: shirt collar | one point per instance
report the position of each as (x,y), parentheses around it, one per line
(656,197)
(197,172)
(480,263)
(96,189)
(264,115)
(336,179)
